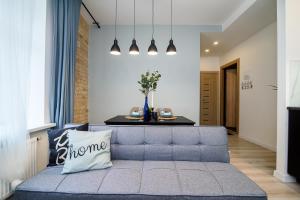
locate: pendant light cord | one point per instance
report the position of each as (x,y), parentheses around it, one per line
(133,19)
(116,19)
(152,19)
(171,19)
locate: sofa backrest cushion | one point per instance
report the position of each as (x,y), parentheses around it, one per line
(182,143)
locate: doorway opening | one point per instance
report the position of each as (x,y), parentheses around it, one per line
(229,96)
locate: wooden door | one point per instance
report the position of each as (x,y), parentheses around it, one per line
(231,98)
(209,98)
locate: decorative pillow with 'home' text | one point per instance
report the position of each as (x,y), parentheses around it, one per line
(87,151)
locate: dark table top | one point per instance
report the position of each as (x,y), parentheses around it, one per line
(122,120)
(293,108)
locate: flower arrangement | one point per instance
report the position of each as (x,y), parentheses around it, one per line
(149,82)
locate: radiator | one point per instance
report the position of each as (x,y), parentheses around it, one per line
(31,168)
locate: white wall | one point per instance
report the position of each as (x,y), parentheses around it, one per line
(288,50)
(113,87)
(292,52)
(294,82)
(210,63)
(258,105)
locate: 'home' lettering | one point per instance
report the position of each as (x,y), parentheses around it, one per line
(81,151)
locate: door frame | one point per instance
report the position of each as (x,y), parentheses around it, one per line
(222,70)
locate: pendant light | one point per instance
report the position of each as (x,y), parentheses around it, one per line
(115,49)
(152,50)
(134,49)
(171,49)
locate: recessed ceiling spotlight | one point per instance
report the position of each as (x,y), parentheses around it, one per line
(206,50)
(216,43)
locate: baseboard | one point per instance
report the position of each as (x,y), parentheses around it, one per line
(267,146)
(284,177)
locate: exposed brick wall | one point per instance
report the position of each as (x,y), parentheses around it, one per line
(81,74)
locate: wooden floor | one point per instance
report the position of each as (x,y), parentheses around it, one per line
(258,164)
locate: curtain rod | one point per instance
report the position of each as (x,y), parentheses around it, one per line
(95,22)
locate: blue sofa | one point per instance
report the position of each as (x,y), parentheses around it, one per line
(152,162)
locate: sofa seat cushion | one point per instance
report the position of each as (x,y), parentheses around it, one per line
(144,180)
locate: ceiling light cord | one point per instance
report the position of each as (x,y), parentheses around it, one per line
(133,19)
(152,19)
(116,16)
(171,19)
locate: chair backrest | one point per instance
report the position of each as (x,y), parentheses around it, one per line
(184,143)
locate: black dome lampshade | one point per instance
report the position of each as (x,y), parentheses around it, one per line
(171,49)
(115,49)
(134,49)
(152,50)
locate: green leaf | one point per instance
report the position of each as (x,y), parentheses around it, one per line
(149,81)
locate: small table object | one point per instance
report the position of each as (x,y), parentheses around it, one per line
(122,120)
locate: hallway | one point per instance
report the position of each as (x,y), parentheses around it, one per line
(259,163)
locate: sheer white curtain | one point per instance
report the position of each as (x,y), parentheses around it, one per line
(16,19)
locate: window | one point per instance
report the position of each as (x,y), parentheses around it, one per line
(37,114)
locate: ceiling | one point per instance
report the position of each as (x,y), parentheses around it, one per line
(255,18)
(233,20)
(185,12)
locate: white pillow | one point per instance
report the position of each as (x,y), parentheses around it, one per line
(87,151)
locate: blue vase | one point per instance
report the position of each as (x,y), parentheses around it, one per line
(146,110)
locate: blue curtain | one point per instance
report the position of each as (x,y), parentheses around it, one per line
(65,19)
